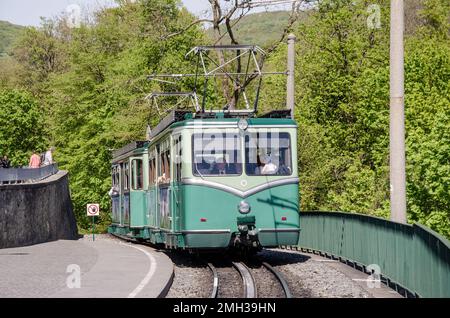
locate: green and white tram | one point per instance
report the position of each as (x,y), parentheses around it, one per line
(210,181)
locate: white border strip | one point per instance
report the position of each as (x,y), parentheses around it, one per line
(147,277)
(242,194)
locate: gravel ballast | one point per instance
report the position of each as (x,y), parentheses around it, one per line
(308,278)
(193,279)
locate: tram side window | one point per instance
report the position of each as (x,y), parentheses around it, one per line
(164,171)
(120,171)
(113,176)
(152,171)
(126,176)
(117,177)
(268,153)
(115,180)
(138,176)
(178,159)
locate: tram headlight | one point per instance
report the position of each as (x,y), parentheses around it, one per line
(244,207)
(242,124)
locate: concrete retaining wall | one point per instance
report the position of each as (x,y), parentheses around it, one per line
(36,213)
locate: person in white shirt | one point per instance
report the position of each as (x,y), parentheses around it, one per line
(269,167)
(48,159)
(113,191)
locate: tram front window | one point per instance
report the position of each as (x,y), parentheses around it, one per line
(268,153)
(216,154)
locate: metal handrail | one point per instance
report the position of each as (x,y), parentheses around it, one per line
(21,175)
(410,257)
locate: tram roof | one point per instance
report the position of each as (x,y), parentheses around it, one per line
(128,148)
(179,118)
(251,122)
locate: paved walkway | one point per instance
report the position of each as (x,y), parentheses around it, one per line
(109,268)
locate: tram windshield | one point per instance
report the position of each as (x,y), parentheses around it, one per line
(268,153)
(216,154)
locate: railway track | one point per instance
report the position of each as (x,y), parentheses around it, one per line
(280,278)
(236,279)
(258,279)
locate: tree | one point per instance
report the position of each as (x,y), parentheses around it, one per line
(40,52)
(342,93)
(224,17)
(92,98)
(427,99)
(98,102)
(21,125)
(342,109)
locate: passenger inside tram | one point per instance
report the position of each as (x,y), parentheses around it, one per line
(267,166)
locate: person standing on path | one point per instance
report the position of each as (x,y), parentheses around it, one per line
(48,159)
(35,161)
(5,163)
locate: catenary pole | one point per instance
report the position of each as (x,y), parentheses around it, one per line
(290,94)
(397,115)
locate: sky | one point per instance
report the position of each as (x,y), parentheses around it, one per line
(28,12)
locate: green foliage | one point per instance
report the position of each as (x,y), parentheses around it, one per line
(8,33)
(428,132)
(40,53)
(342,107)
(90,84)
(98,103)
(21,126)
(259,28)
(436,15)
(342,94)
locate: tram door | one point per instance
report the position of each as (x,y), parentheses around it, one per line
(163,185)
(176,196)
(137,193)
(116,194)
(125,194)
(152,188)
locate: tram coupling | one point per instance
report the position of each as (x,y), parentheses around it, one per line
(248,234)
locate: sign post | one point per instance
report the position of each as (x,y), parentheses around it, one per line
(93,210)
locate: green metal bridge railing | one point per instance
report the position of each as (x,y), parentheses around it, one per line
(412,257)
